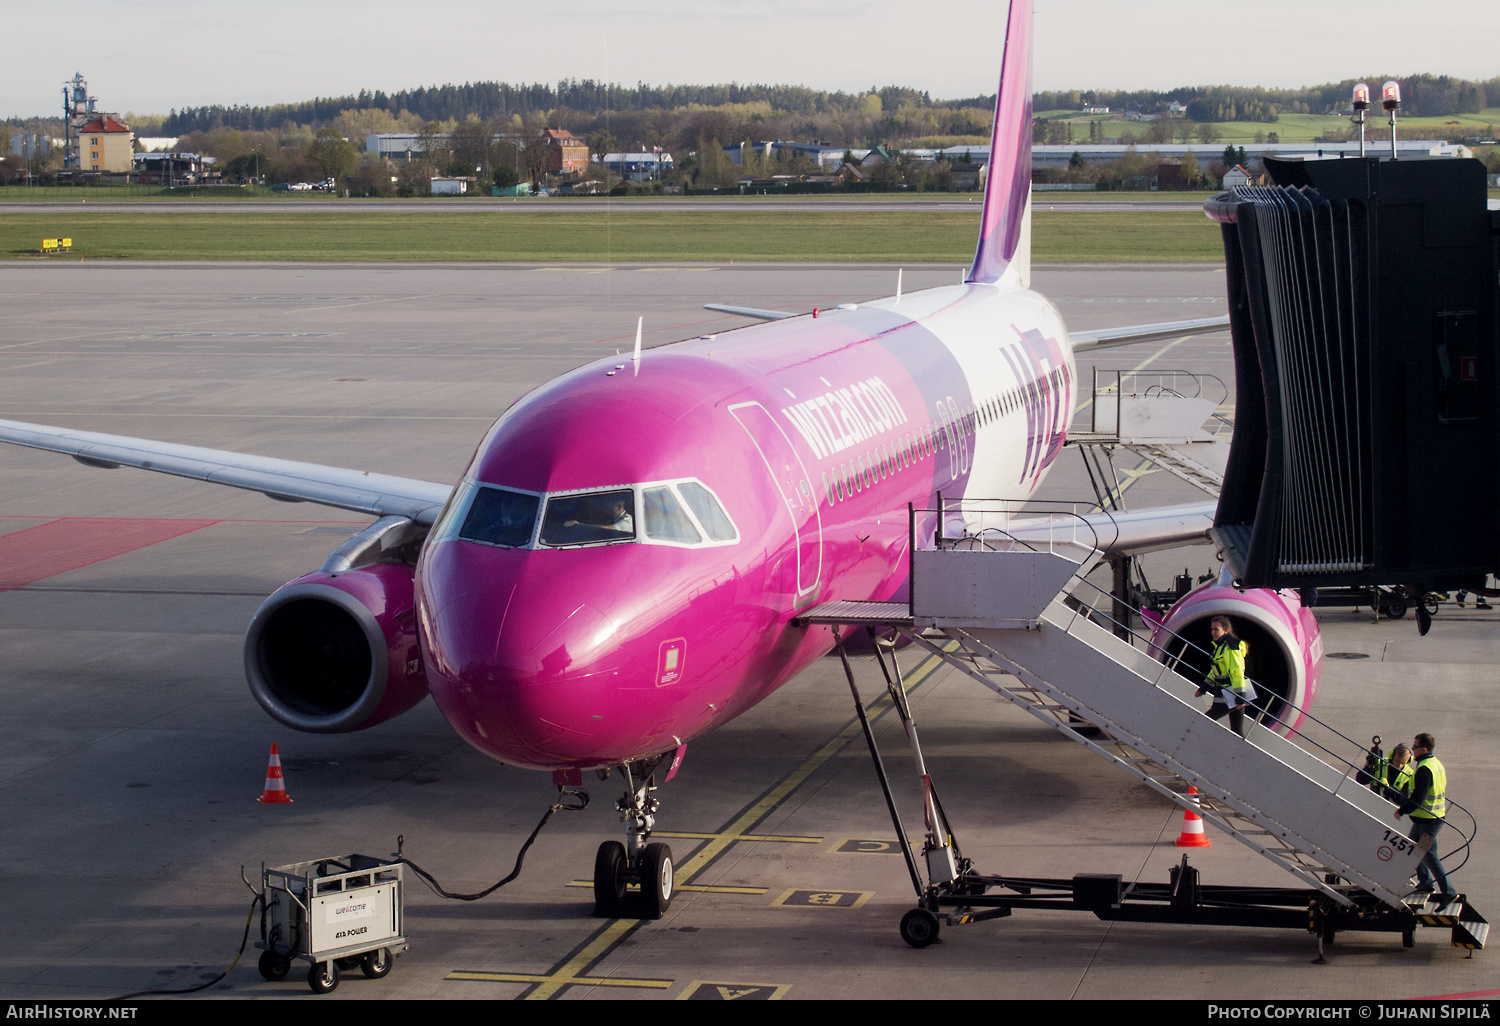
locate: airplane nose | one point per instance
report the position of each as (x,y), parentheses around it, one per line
(522,666)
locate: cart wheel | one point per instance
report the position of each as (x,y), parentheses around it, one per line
(1431,602)
(323,977)
(273,966)
(376,964)
(919,927)
(1395,606)
(1408,938)
(609,879)
(656,880)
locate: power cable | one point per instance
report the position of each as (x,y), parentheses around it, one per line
(580,802)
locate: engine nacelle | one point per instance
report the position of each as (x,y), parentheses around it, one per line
(1285,656)
(335,652)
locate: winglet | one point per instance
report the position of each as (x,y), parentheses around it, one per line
(1004,251)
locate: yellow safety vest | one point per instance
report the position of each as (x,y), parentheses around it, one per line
(1228,666)
(1406,779)
(1435,806)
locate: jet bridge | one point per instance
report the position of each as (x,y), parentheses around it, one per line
(1009,605)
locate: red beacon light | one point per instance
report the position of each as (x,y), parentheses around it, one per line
(1390,99)
(1362,96)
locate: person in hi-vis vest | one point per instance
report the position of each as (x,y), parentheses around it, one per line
(1427,804)
(1226,675)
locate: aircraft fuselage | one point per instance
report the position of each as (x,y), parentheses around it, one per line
(619,568)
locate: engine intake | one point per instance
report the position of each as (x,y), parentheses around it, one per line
(1285,646)
(336,652)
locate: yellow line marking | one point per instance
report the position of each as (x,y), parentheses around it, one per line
(783,901)
(731,991)
(582,981)
(741,837)
(568,973)
(792,781)
(1138,367)
(704,888)
(547,985)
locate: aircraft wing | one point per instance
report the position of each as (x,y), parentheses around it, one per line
(1121,533)
(750,311)
(1108,338)
(356,490)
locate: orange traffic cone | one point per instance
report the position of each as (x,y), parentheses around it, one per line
(275,790)
(1192,835)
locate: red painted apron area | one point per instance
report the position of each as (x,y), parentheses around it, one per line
(72,542)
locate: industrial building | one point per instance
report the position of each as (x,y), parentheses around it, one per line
(638,167)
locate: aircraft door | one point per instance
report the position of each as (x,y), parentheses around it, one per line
(794,483)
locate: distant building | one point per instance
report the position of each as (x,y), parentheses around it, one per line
(967,175)
(105,144)
(32,145)
(825,156)
(1237,176)
(1086,109)
(456,186)
(405,145)
(566,154)
(173,168)
(638,167)
(1169,177)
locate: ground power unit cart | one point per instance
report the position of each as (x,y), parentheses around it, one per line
(334,913)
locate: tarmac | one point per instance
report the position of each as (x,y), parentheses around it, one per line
(133,752)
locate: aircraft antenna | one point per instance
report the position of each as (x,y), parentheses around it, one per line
(898,284)
(639,322)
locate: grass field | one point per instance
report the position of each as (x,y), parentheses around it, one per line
(621,235)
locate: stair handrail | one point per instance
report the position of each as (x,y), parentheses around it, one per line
(1153,645)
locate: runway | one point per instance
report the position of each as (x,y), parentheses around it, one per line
(133,751)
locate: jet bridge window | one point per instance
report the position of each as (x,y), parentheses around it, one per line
(595,518)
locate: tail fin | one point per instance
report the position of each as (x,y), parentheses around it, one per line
(1004,253)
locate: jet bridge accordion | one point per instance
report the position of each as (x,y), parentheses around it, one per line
(1362,303)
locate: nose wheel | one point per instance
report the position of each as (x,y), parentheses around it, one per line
(635,880)
(610,869)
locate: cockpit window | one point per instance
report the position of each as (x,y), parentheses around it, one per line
(590,519)
(666,519)
(708,511)
(499,516)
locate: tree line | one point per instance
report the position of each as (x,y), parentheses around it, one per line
(487,100)
(1423,95)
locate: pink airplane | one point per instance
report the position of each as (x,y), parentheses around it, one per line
(620,568)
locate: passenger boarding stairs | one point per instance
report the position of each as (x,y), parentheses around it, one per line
(1159,416)
(1012,607)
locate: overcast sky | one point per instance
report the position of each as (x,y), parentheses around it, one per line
(149,56)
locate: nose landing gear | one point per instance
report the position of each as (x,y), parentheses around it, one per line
(634,880)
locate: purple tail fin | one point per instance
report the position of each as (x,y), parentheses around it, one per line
(1005,234)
